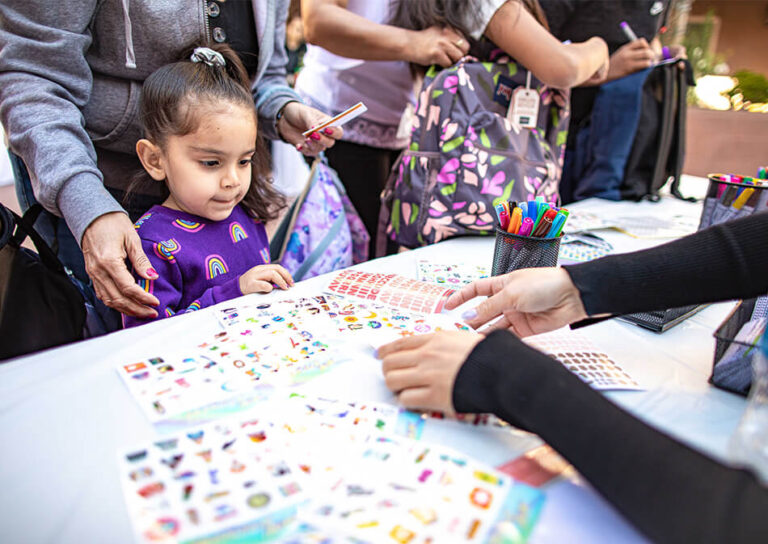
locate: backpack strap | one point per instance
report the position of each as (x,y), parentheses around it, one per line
(25,228)
(320,249)
(684,79)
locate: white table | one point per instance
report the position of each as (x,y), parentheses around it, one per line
(64,413)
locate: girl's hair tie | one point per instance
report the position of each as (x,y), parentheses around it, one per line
(208,56)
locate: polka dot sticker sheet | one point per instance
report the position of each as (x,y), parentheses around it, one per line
(392,290)
(452,275)
(581,357)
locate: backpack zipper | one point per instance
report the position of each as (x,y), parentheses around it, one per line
(206,23)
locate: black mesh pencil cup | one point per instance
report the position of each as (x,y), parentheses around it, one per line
(513,252)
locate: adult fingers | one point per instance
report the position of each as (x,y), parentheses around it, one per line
(137,256)
(488,310)
(404,378)
(113,296)
(479,288)
(398,361)
(402,344)
(423,398)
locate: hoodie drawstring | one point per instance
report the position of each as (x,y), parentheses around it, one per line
(130,54)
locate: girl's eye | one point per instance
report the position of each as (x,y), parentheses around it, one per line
(209,163)
(246,162)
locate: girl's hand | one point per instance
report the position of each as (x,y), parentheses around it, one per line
(528,301)
(261,278)
(421,370)
(298,118)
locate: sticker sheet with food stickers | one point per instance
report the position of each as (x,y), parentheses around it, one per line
(259,480)
(228,480)
(453,274)
(579,355)
(392,290)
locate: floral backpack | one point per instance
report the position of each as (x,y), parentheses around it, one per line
(465,156)
(322,231)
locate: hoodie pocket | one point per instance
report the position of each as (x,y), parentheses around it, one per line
(112,114)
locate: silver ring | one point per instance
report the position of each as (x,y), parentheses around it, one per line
(460,42)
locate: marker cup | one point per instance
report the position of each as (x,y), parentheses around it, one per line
(513,252)
(729,197)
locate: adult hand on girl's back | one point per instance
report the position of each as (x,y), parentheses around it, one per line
(106,244)
(528,301)
(436,45)
(259,279)
(422,369)
(298,118)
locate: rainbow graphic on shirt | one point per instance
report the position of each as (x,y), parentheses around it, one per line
(236,232)
(166,249)
(195,306)
(264,252)
(169,312)
(188,226)
(215,266)
(141,220)
(146,284)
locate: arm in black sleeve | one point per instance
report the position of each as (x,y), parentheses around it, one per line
(668,491)
(724,262)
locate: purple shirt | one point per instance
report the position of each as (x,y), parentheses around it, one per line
(199,261)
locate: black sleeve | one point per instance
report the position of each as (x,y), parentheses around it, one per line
(668,491)
(724,262)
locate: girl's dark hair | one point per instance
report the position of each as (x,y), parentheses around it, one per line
(421,14)
(168,106)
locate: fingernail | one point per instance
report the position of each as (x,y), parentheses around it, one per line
(469,314)
(376,352)
(299,147)
(315,136)
(328,131)
(151,272)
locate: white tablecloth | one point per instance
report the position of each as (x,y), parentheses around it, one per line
(65,414)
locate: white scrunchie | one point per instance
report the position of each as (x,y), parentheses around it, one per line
(208,56)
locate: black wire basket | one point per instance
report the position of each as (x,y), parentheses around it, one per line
(513,252)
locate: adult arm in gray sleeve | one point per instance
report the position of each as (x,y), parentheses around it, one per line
(44,81)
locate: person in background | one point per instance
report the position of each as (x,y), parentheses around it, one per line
(355,56)
(206,241)
(577,20)
(669,491)
(70,76)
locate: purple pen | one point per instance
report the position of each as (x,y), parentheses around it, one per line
(526,227)
(631,36)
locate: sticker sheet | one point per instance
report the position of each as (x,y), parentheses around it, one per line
(453,274)
(286,478)
(581,357)
(391,290)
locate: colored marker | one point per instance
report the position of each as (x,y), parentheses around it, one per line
(533,210)
(526,227)
(545,223)
(762,173)
(631,36)
(515,221)
(557,225)
(666,53)
(504,219)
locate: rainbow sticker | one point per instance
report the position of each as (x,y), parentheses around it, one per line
(189,226)
(166,249)
(215,266)
(236,232)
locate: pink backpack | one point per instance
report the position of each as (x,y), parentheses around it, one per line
(322,231)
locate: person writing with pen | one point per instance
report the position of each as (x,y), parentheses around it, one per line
(668,491)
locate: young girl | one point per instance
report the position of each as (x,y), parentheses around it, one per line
(206,242)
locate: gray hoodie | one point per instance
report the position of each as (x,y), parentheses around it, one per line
(70,76)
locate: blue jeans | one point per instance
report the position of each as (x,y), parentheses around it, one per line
(53,229)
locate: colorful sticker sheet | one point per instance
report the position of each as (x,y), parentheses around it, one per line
(291,479)
(391,290)
(452,275)
(581,357)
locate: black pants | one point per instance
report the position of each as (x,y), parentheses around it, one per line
(364,170)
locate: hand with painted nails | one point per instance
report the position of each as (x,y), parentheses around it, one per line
(106,244)
(296,119)
(526,302)
(264,277)
(422,369)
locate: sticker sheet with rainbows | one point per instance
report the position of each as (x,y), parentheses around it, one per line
(579,355)
(392,290)
(453,275)
(289,479)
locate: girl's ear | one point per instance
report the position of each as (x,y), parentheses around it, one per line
(151,158)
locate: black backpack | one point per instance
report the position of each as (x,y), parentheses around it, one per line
(40,307)
(633,143)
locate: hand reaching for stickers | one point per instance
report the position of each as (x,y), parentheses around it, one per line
(263,278)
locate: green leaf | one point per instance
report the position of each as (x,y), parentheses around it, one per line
(414,146)
(396,215)
(449,189)
(562,137)
(484,139)
(452,144)
(431,71)
(512,67)
(497,159)
(487,65)
(414,213)
(505,195)
(496,78)
(436,93)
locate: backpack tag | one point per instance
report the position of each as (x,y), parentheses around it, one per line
(406,122)
(524,107)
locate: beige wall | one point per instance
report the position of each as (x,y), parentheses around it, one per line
(743,38)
